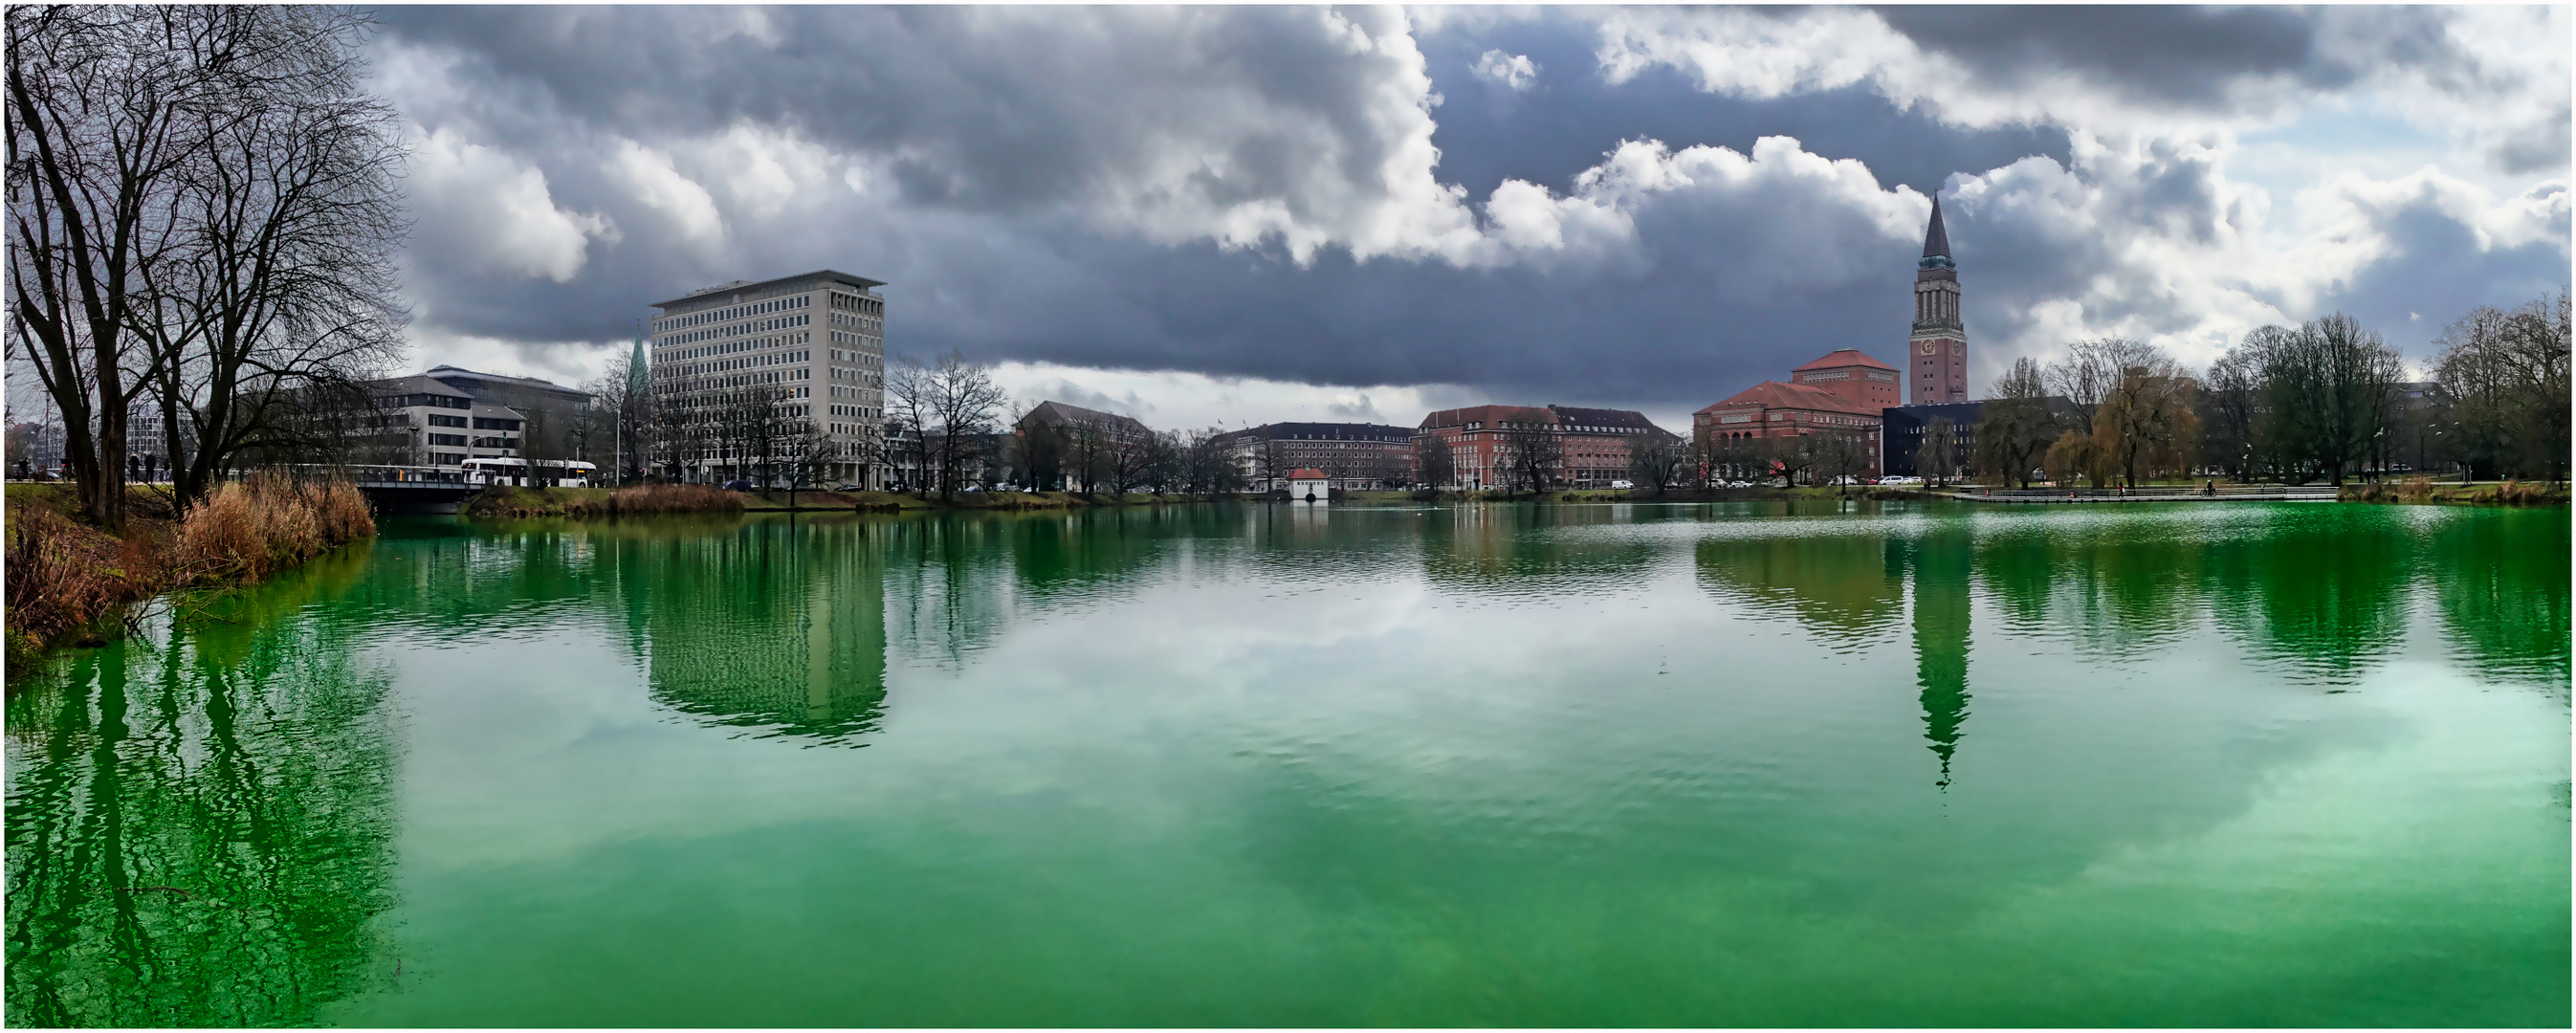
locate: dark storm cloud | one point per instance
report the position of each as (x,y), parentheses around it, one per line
(2178,55)
(976,111)
(1694,318)
(1004,136)
(1489,132)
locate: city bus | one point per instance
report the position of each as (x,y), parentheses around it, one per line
(495,470)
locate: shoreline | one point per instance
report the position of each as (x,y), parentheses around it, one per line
(73,585)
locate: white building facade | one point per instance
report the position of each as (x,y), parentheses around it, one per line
(811,347)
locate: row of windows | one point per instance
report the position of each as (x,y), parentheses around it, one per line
(749,362)
(457,440)
(432,401)
(739,329)
(488,423)
(756,308)
(436,420)
(734,348)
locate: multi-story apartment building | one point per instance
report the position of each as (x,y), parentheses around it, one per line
(1064,447)
(427,422)
(807,349)
(1593,444)
(549,417)
(1354,456)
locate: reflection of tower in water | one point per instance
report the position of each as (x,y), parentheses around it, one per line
(1941,566)
(780,627)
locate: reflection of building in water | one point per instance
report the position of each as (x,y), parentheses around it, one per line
(779,627)
(1942,561)
(1846,589)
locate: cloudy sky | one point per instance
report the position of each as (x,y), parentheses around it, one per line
(1234,215)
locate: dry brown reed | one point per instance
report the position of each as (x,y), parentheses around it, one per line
(2515,493)
(652,499)
(252,527)
(62,576)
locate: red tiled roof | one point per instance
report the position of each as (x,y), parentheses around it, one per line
(1307,473)
(1772,394)
(1841,357)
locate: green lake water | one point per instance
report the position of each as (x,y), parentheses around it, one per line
(1766,764)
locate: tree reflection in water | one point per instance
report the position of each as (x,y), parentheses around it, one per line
(2503,595)
(200,831)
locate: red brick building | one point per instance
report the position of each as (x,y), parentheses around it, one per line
(1842,393)
(1595,442)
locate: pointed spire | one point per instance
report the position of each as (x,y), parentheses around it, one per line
(638,377)
(1936,240)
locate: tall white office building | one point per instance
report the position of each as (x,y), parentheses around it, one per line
(810,347)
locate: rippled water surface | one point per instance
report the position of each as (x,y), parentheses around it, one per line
(1753,764)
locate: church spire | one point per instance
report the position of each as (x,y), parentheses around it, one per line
(1936,240)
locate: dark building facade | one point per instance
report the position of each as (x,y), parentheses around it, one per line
(1355,456)
(1903,426)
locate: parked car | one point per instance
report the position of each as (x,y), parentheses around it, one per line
(1622,485)
(849,487)
(737,485)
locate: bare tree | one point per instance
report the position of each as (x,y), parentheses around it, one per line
(1937,458)
(1659,462)
(1435,466)
(100,127)
(1129,461)
(911,402)
(2016,428)
(1271,463)
(279,281)
(2503,379)
(622,414)
(957,405)
(2092,369)
(1834,457)
(2328,386)
(1784,457)
(2146,423)
(1086,454)
(2231,403)
(1528,452)
(1040,457)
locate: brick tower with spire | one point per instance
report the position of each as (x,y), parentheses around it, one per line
(1937,365)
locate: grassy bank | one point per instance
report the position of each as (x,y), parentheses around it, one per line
(65,579)
(504,502)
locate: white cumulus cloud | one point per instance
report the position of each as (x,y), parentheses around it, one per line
(489,210)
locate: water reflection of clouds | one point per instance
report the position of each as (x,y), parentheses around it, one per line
(1898,727)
